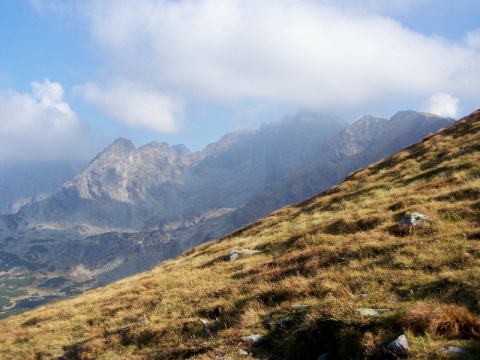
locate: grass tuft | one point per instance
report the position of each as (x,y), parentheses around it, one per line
(448,320)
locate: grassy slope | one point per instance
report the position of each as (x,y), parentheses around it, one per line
(337,252)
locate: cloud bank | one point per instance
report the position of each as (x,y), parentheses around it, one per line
(41,126)
(134,105)
(443,105)
(310,53)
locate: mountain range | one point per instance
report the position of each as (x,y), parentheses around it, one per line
(383,265)
(130,208)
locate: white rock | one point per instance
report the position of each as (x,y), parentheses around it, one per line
(254,339)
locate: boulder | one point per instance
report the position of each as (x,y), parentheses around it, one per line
(400,345)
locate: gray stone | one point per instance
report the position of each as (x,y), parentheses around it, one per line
(234,254)
(209,326)
(242,352)
(414,219)
(400,345)
(454,350)
(324,356)
(370,311)
(253,339)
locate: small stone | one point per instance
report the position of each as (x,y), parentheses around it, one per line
(454,350)
(400,345)
(324,356)
(370,311)
(253,339)
(414,219)
(301,306)
(209,326)
(242,352)
(234,254)
(282,322)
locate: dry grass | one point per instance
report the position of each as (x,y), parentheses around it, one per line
(336,253)
(448,320)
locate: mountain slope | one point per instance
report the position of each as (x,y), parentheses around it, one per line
(334,274)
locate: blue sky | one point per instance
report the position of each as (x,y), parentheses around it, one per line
(75,75)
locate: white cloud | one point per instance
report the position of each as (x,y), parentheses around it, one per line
(331,55)
(442,104)
(134,105)
(302,52)
(41,125)
(473,39)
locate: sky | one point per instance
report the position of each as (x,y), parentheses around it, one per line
(77,74)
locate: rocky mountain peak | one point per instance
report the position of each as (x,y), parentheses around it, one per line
(357,136)
(122,145)
(366,124)
(181,150)
(410,115)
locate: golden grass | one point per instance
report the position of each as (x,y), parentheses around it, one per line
(336,253)
(448,320)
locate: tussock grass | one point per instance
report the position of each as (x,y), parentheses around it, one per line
(448,320)
(320,261)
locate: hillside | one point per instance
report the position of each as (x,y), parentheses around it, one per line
(131,208)
(334,274)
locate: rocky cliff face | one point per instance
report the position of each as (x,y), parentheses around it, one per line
(131,208)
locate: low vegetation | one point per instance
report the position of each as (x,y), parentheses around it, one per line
(320,261)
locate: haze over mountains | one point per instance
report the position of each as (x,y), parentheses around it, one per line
(131,208)
(23,182)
